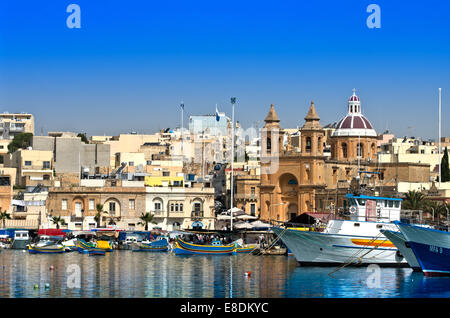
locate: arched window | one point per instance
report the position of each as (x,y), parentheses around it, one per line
(269,144)
(319,144)
(344,150)
(360,150)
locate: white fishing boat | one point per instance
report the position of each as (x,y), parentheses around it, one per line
(354,241)
(399,240)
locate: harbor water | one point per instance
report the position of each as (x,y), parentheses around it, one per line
(133,274)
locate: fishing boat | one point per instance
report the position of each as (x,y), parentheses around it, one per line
(245,249)
(398,239)
(431,248)
(47,249)
(160,245)
(70,245)
(353,241)
(21,239)
(216,248)
(86,247)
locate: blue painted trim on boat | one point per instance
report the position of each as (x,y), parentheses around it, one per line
(351,196)
(367,248)
(420,227)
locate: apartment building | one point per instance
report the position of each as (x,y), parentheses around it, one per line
(15,123)
(33,167)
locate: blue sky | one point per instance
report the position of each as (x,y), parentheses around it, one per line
(132,62)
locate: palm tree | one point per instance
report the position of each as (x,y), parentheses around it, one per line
(414,200)
(433,207)
(58,220)
(4,216)
(98,216)
(146,219)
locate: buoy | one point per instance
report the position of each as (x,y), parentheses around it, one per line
(248,274)
(47,285)
(36,286)
(52,268)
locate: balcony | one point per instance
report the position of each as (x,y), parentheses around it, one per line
(77,219)
(247,197)
(158,213)
(197,214)
(19,212)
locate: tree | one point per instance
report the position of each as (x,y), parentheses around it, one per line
(58,221)
(445,170)
(100,212)
(4,216)
(83,138)
(20,141)
(146,219)
(414,200)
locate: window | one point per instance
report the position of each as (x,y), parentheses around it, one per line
(149,162)
(252,209)
(131,204)
(91,204)
(46,164)
(360,150)
(308,144)
(172,207)
(64,204)
(253,189)
(344,150)
(131,163)
(157,206)
(27,163)
(166,173)
(356,224)
(181,207)
(112,207)
(176,207)
(46,177)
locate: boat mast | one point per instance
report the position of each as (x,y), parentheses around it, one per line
(233,101)
(439,141)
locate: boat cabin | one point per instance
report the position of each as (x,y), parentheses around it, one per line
(374,209)
(21,235)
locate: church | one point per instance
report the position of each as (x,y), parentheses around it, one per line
(295,180)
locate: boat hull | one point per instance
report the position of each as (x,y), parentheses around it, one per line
(399,240)
(431,248)
(20,244)
(46,249)
(183,248)
(323,249)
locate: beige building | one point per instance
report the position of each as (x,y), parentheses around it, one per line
(13,124)
(123,202)
(181,207)
(32,166)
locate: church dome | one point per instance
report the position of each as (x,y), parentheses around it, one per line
(354,123)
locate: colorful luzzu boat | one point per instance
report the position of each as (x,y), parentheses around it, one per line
(216,248)
(245,249)
(155,246)
(85,247)
(49,249)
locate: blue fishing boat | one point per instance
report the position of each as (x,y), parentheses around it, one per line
(216,248)
(431,248)
(155,246)
(399,240)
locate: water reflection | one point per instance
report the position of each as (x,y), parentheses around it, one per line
(130,274)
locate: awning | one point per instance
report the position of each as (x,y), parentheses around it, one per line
(197,224)
(52,232)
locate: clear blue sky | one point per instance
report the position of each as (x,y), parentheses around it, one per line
(132,62)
